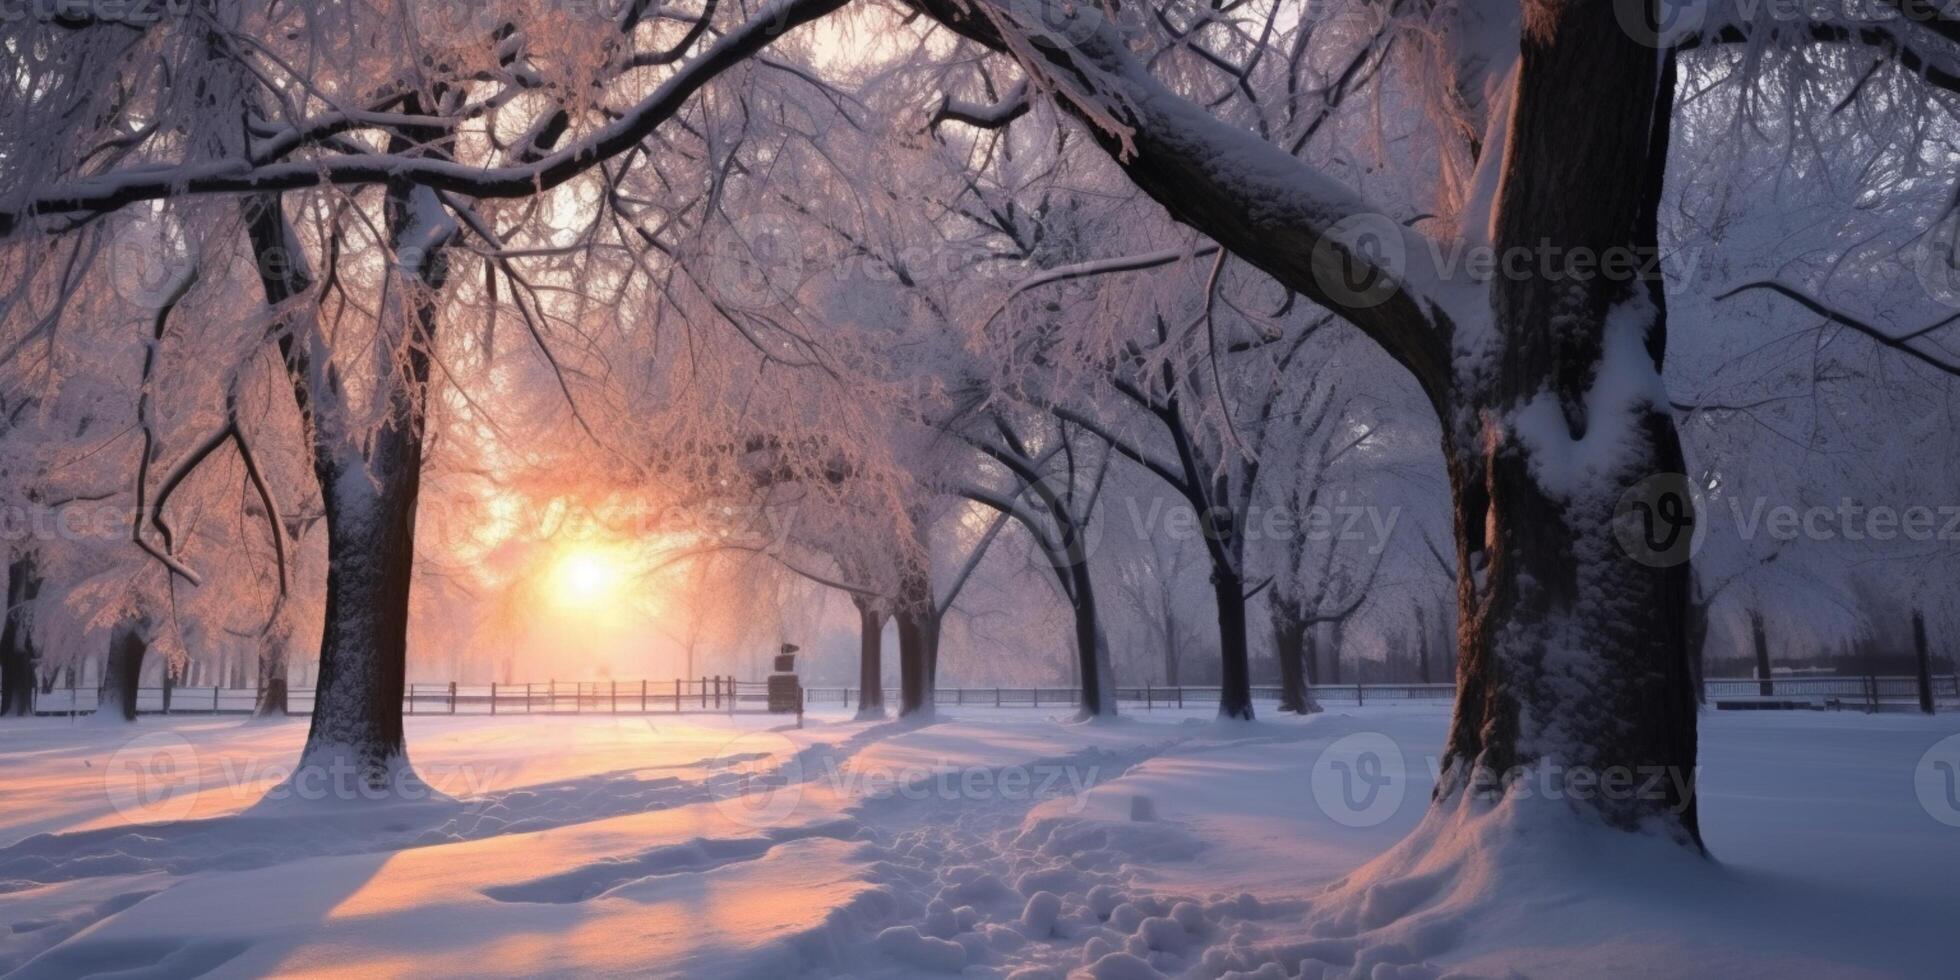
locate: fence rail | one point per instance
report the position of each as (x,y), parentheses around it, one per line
(726,695)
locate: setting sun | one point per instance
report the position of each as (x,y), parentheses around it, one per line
(585,578)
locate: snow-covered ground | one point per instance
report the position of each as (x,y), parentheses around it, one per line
(992,843)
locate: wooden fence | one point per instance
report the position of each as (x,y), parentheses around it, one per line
(726,695)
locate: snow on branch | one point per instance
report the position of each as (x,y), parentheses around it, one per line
(1012,106)
(1252,197)
(115,190)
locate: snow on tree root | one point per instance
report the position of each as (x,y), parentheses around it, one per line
(332,776)
(1467,863)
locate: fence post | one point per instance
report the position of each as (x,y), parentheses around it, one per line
(1148,701)
(643,695)
(1871,693)
(677,695)
(996,697)
(551,695)
(615,694)
(452,697)
(493,697)
(1357,694)
(1037,697)
(527,697)
(1180,695)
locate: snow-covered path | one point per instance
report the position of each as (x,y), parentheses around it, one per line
(985,843)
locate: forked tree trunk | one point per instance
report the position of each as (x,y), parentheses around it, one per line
(368,491)
(17,653)
(122,669)
(871,657)
(1573,660)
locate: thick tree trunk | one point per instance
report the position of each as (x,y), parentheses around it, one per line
(122,669)
(917,636)
(357,704)
(918,640)
(1573,659)
(871,657)
(1290,646)
(17,654)
(1235,671)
